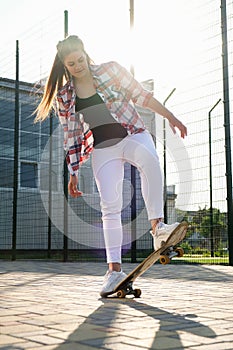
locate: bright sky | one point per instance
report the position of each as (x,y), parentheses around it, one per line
(160,48)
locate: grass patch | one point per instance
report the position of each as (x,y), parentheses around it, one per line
(199,259)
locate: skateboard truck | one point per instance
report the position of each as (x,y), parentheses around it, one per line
(129,290)
(169,253)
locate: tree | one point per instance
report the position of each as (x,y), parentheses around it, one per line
(218,229)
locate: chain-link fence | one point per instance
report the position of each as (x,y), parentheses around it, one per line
(38,221)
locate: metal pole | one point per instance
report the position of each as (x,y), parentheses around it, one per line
(227,127)
(133,170)
(16,155)
(65,23)
(211,186)
(65,240)
(165,160)
(50,183)
(131,12)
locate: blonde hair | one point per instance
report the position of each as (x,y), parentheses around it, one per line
(58,75)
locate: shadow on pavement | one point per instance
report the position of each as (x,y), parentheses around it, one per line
(168,325)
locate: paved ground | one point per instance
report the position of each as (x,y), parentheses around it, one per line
(52,305)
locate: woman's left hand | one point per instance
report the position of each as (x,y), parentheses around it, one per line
(157,107)
(176,123)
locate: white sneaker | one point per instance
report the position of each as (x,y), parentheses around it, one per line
(111,280)
(161,233)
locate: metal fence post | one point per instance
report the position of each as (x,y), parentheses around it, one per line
(211,186)
(227,127)
(16,155)
(165,160)
(50,182)
(65,240)
(133,171)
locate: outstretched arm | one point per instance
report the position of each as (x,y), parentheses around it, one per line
(174,123)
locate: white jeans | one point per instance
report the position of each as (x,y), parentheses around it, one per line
(108,167)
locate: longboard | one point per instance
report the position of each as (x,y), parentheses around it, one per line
(165,254)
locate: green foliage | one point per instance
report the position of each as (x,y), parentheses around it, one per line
(187,247)
(194,251)
(209,224)
(201,251)
(217,219)
(222,250)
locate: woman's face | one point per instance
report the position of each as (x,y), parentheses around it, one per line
(76,63)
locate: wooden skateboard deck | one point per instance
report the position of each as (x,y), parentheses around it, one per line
(165,254)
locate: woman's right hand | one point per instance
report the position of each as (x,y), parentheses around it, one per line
(72,187)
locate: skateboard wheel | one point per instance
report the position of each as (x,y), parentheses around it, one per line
(137,293)
(121,294)
(164,260)
(180,252)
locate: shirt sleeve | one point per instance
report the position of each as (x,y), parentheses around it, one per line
(70,145)
(78,138)
(134,89)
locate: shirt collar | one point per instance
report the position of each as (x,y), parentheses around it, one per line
(94,70)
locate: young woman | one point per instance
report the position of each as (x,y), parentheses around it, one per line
(96,107)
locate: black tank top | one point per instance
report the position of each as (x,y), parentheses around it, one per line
(106,130)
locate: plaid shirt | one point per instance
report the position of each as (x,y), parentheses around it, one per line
(119,90)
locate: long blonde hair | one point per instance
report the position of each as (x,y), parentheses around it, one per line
(58,75)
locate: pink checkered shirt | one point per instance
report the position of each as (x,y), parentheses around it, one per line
(119,90)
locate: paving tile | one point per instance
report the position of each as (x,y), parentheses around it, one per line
(65,327)
(56,306)
(9,340)
(215,346)
(20,328)
(43,339)
(121,346)
(68,346)
(22,345)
